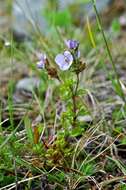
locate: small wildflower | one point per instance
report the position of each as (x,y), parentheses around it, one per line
(122,20)
(42,61)
(64,61)
(72,44)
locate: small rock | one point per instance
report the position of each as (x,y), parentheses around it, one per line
(28,84)
(26,15)
(85,118)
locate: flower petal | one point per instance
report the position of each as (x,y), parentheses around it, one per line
(78,54)
(72,44)
(42,60)
(64,61)
(65,66)
(59,59)
(68,56)
(41,55)
(40,65)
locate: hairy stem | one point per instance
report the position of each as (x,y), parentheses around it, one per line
(74,94)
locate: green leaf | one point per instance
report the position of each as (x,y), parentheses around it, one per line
(77,131)
(117,87)
(62,18)
(29,131)
(123,187)
(60,176)
(88,169)
(81,92)
(59,18)
(115,26)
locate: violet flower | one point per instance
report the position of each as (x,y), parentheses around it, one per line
(77,54)
(42,61)
(64,61)
(72,44)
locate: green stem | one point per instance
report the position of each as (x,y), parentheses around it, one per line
(108,50)
(74,94)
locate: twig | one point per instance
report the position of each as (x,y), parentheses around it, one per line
(106,182)
(13,185)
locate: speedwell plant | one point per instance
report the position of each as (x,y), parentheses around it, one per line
(68,67)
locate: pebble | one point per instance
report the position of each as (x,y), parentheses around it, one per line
(28,84)
(85,118)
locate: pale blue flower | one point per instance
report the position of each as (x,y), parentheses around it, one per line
(42,61)
(64,61)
